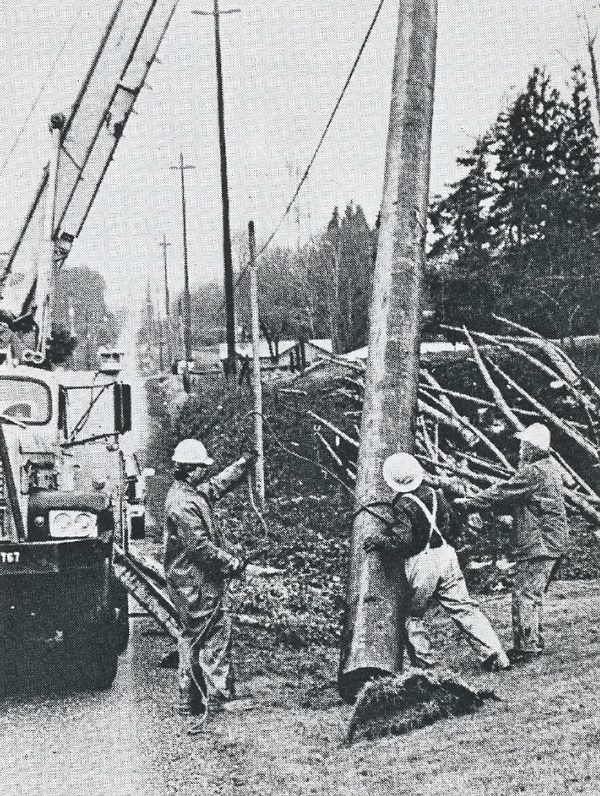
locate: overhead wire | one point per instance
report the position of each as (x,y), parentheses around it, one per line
(315,153)
(290,452)
(42,89)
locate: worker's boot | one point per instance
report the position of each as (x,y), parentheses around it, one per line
(192,714)
(195,725)
(517,656)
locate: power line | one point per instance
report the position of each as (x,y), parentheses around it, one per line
(41,91)
(316,152)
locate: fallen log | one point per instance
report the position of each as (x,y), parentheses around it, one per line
(332,427)
(552,351)
(455,415)
(469,398)
(497,395)
(584,400)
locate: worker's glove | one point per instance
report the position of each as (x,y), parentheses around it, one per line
(374,541)
(248,452)
(239,567)
(461,503)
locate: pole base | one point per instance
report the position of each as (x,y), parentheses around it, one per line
(351,683)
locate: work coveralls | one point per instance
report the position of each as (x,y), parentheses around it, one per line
(540,535)
(197,567)
(434,572)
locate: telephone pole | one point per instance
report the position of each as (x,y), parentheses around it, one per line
(256,383)
(163,244)
(187,309)
(373,638)
(227,259)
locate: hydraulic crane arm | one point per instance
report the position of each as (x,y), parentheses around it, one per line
(85,143)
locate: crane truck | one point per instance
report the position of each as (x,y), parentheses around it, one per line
(68,495)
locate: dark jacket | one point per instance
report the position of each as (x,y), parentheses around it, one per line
(534,495)
(197,561)
(406,530)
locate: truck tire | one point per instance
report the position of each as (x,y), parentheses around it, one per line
(105,669)
(120,611)
(91,657)
(3,669)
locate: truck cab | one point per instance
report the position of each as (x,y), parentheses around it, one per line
(64,501)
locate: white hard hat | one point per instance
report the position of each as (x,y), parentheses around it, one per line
(191,451)
(536,434)
(402,472)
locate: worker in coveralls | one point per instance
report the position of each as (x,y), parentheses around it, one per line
(423,517)
(197,568)
(534,495)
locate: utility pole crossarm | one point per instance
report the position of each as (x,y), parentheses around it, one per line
(212,13)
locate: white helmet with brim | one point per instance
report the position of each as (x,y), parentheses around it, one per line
(192,451)
(402,472)
(536,434)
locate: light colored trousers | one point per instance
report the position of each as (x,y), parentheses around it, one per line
(435,572)
(205,668)
(532,577)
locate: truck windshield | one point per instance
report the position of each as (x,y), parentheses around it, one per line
(26,400)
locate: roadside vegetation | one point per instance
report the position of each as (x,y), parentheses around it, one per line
(307,522)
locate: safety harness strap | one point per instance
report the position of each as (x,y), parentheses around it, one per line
(430,515)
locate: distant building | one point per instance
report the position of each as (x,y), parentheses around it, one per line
(430,352)
(286,354)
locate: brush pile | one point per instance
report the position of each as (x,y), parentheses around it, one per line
(470,406)
(413,699)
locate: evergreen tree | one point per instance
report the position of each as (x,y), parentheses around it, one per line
(517,233)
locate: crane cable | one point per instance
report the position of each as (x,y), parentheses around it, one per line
(316,152)
(41,91)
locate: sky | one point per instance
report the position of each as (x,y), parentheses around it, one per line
(284,64)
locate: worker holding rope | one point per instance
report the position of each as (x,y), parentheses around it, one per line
(197,568)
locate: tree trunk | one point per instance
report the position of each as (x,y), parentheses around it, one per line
(376,595)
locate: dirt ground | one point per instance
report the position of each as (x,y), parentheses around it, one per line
(542,737)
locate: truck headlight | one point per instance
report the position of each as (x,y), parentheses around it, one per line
(68,524)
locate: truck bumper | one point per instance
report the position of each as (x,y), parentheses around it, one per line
(50,586)
(54,557)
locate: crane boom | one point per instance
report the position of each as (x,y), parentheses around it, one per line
(87,142)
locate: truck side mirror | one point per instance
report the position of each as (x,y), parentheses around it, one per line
(122,408)
(62,410)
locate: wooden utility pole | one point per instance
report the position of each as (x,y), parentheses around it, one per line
(187,309)
(227,258)
(373,641)
(163,244)
(256,383)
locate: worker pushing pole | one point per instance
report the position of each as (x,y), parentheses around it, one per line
(372,642)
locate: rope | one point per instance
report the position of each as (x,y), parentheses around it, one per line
(298,455)
(255,508)
(41,91)
(202,686)
(316,152)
